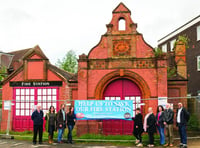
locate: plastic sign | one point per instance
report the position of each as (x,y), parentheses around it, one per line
(7,105)
(103,109)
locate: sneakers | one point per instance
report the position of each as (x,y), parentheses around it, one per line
(140,145)
(137,141)
(150,145)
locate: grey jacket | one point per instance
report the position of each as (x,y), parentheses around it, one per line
(168,116)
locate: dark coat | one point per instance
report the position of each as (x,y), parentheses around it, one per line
(60,120)
(185,116)
(70,119)
(47,122)
(151,123)
(138,122)
(168,116)
(37,117)
(161,120)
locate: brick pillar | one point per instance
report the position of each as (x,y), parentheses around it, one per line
(180,59)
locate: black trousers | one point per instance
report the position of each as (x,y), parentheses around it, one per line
(36,129)
(151,137)
(138,136)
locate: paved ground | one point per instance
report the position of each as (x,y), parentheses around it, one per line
(11,143)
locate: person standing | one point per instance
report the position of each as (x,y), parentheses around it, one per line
(160,123)
(37,117)
(138,128)
(150,126)
(168,122)
(182,118)
(61,122)
(51,123)
(71,119)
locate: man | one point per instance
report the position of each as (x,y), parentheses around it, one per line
(168,122)
(182,118)
(61,122)
(37,117)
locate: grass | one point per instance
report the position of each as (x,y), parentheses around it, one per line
(121,140)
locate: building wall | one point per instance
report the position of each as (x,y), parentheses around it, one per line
(121,54)
(191,57)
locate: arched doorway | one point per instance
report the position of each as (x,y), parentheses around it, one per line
(121,89)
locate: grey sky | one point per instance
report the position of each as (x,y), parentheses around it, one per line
(61,25)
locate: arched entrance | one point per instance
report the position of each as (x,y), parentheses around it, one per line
(121,89)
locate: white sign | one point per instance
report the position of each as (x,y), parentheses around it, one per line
(7,105)
(162,101)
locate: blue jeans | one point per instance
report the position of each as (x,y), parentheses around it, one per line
(70,128)
(60,133)
(162,135)
(182,133)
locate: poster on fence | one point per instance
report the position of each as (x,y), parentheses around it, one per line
(103,109)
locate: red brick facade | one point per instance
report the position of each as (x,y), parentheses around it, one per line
(121,54)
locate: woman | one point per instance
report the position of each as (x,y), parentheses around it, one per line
(51,123)
(150,126)
(138,128)
(160,123)
(71,119)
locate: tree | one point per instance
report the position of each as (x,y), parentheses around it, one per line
(69,62)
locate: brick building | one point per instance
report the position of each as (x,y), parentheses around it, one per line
(122,66)
(191,30)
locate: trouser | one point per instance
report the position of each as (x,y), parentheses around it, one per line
(138,136)
(60,133)
(151,137)
(37,128)
(70,128)
(182,133)
(169,133)
(162,135)
(51,130)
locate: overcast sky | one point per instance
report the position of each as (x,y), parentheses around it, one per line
(58,26)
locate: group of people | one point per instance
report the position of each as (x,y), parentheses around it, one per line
(54,121)
(163,121)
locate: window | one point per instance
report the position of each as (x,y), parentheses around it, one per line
(198,63)
(172,42)
(164,48)
(122,24)
(27,98)
(198,33)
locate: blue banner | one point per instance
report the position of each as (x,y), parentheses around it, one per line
(103,109)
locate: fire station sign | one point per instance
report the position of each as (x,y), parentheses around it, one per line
(35,84)
(103,109)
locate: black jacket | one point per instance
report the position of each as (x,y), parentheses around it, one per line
(37,117)
(168,116)
(60,121)
(185,116)
(151,123)
(161,120)
(70,119)
(138,122)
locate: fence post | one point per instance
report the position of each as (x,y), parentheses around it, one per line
(8,121)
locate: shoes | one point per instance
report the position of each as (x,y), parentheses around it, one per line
(184,146)
(180,145)
(171,145)
(34,143)
(60,142)
(40,142)
(140,145)
(150,145)
(166,144)
(137,141)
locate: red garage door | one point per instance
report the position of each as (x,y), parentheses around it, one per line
(121,89)
(25,101)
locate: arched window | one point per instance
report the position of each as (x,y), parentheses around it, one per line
(122,24)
